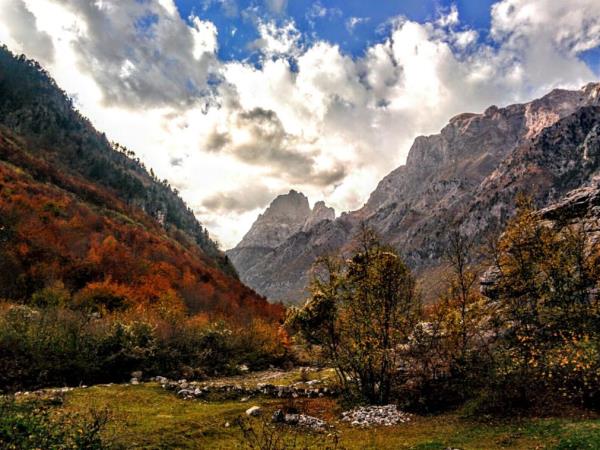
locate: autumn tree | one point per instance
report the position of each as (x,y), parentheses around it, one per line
(461,301)
(546,304)
(449,351)
(361,311)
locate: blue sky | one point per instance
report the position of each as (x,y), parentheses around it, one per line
(325,20)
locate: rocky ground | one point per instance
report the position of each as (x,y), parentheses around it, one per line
(199,390)
(366,416)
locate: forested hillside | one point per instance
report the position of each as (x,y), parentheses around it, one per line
(80,212)
(33,106)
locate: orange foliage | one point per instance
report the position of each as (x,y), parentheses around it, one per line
(63,228)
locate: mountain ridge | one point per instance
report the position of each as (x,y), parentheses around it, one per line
(468,174)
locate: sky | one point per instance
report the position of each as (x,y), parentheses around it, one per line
(237,101)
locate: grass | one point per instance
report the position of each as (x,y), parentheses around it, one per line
(145,416)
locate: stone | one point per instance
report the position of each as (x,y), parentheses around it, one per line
(254,411)
(278,416)
(199,390)
(367,416)
(292,419)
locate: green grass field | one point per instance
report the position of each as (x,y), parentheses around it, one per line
(147,417)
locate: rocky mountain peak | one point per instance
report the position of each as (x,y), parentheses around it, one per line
(285,216)
(319,213)
(471,145)
(292,206)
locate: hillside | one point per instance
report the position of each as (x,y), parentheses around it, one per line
(78,212)
(467,176)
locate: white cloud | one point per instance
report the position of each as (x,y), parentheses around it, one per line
(450,18)
(277,40)
(353,22)
(328,124)
(318,11)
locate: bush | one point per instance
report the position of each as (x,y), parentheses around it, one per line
(54,295)
(33,425)
(103,296)
(55,346)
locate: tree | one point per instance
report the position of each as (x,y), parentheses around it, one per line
(461,299)
(546,303)
(361,311)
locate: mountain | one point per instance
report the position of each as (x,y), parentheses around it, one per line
(466,176)
(286,216)
(79,211)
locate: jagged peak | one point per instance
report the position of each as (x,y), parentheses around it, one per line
(293,204)
(319,213)
(286,215)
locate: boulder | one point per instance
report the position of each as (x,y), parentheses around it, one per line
(254,411)
(278,416)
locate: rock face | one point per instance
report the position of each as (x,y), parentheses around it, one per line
(467,175)
(285,216)
(288,215)
(319,213)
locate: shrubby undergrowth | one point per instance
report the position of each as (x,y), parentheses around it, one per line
(53,345)
(36,425)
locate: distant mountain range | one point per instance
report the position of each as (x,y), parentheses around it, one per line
(77,210)
(466,176)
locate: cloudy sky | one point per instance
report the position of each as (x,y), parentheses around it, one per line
(236,101)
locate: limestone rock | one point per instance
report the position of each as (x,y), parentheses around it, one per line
(580,206)
(288,215)
(254,411)
(319,213)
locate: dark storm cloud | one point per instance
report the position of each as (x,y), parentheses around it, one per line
(176,161)
(271,147)
(217,141)
(241,200)
(23,29)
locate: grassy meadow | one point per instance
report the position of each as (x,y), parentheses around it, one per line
(147,417)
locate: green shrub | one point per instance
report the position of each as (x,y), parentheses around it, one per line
(33,425)
(55,295)
(56,346)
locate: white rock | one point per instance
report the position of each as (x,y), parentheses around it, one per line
(254,411)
